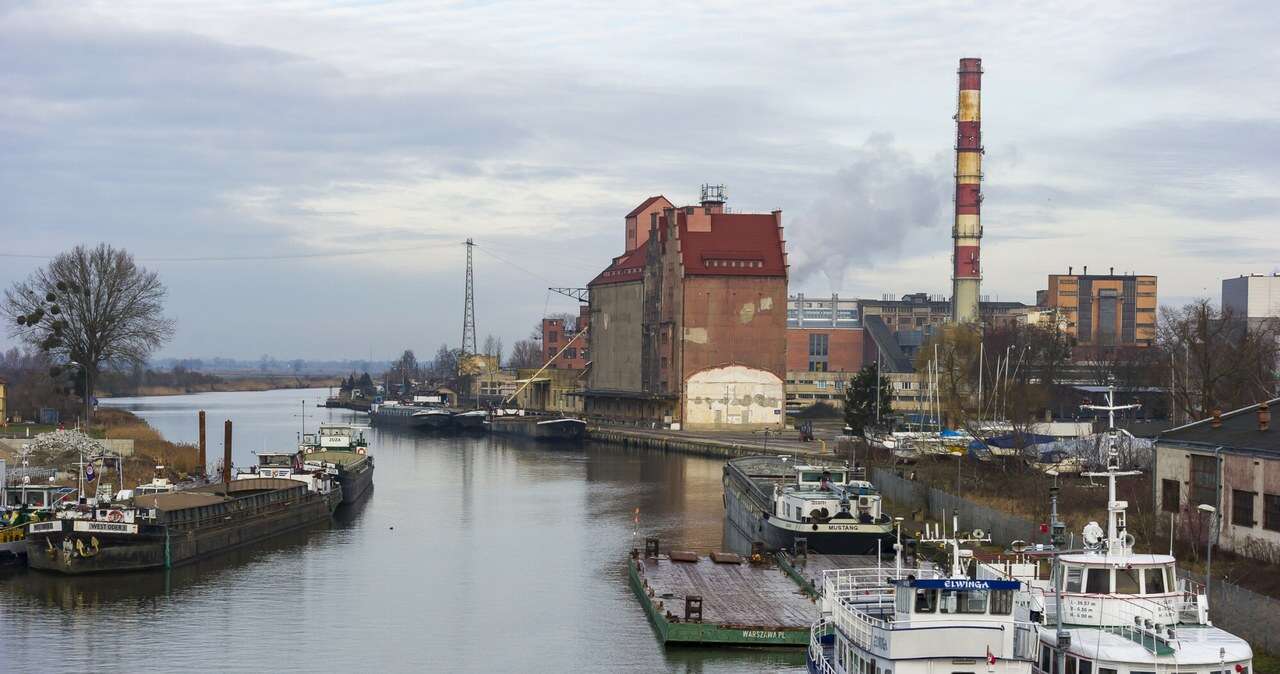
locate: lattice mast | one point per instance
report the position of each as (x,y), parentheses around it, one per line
(469,308)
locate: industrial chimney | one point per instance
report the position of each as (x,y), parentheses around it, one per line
(967,232)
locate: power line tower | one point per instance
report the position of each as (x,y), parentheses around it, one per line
(469,309)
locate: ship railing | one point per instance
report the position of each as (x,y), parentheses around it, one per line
(861,586)
(817,652)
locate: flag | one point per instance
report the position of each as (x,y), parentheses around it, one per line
(88,473)
(991,658)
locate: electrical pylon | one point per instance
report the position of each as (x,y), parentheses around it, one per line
(469,309)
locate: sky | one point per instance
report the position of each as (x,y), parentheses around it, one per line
(302,174)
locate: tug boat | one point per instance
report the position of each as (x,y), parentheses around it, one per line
(341,450)
(923,622)
(772,500)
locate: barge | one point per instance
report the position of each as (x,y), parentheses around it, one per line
(772,500)
(546,429)
(170,529)
(341,450)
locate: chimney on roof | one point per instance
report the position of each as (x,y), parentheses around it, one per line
(1086,270)
(1217,419)
(1112,272)
(1071,271)
(1264,416)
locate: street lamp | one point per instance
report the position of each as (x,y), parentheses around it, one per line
(1212,512)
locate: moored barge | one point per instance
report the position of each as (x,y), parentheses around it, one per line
(774,501)
(546,429)
(342,450)
(170,529)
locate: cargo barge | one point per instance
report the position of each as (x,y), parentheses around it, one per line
(546,429)
(341,450)
(772,500)
(170,529)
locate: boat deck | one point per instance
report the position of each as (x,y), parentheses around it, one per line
(742,604)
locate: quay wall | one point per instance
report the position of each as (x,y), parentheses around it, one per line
(670,442)
(1247,614)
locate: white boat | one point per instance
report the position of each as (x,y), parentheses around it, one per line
(923,623)
(1109,610)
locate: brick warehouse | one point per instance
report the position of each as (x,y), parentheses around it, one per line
(689,326)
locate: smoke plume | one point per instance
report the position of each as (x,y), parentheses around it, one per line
(867,212)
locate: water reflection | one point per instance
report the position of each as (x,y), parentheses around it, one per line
(472,554)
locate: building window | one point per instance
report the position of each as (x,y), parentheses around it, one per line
(571,353)
(1242,508)
(1271,512)
(1169,496)
(818,344)
(1204,480)
(817,366)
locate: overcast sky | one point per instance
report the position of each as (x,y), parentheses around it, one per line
(348,148)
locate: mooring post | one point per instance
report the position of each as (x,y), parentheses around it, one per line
(204,466)
(226,457)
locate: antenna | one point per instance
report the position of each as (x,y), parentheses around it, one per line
(469,308)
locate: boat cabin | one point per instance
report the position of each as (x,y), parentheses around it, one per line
(273,464)
(820,494)
(936,599)
(338,437)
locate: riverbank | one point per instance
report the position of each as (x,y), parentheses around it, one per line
(231,385)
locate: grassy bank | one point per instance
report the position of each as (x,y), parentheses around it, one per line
(150,449)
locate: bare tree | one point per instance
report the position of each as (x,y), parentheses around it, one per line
(525,353)
(493,348)
(1217,360)
(91,308)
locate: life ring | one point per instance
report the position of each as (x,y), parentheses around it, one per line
(115,516)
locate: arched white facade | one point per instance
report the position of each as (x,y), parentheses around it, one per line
(733,395)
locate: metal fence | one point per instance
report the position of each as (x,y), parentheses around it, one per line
(1249,615)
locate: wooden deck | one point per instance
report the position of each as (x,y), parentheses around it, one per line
(736,595)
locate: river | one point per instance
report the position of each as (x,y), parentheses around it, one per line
(472,554)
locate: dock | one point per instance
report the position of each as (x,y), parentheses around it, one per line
(718,445)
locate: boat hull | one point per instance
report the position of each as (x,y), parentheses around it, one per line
(566,431)
(136,547)
(356,481)
(433,422)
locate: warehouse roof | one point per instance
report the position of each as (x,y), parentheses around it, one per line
(739,244)
(1238,429)
(643,205)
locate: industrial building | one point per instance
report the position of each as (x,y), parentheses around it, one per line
(910,320)
(1230,462)
(824,349)
(688,328)
(1103,309)
(561,350)
(1255,297)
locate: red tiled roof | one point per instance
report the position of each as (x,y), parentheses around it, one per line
(647,203)
(626,267)
(739,244)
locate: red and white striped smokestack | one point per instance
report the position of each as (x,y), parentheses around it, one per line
(967,231)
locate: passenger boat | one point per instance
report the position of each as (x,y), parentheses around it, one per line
(1109,610)
(342,450)
(922,622)
(169,529)
(773,500)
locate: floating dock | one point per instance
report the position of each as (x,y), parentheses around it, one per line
(720,599)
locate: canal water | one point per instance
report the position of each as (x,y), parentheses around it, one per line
(472,554)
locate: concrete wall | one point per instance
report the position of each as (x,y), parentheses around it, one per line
(733,396)
(615,337)
(1244,472)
